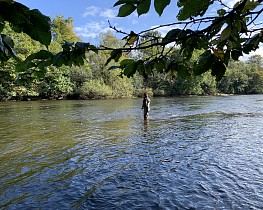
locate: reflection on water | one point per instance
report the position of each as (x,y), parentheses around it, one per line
(191,153)
(146,124)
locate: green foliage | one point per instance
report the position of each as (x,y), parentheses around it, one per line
(160,5)
(34,77)
(115,55)
(56,83)
(142,6)
(7,79)
(129,66)
(96,89)
(126,9)
(34,60)
(192,8)
(243,78)
(255,83)
(62,29)
(22,19)
(228,35)
(78,75)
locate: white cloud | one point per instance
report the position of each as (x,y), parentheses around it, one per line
(107,29)
(108,13)
(97,11)
(218,5)
(91,11)
(230,3)
(92,29)
(212,11)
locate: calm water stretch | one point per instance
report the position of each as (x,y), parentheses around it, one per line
(192,153)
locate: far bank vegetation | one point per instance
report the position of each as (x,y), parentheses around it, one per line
(94,80)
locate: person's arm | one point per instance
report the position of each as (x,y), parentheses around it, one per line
(148,103)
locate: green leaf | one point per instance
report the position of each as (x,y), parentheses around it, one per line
(126,62)
(215,27)
(41,27)
(243,26)
(42,54)
(126,10)
(132,38)
(160,5)
(226,57)
(2,25)
(20,81)
(226,33)
(118,55)
(250,5)
(94,49)
(149,68)
(125,2)
(192,41)
(205,62)
(67,46)
(115,55)
(172,35)
(39,74)
(252,43)
(183,71)
(39,57)
(188,48)
(143,7)
(159,66)
(82,45)
(59,59)
(129,66)
(31,22)
(141,67)
(44,64)
(221,12)
(218,70)
(78,60)
(192,8)
(235,54)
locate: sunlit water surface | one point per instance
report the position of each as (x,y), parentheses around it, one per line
(192,153)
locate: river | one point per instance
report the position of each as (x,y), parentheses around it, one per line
(191,153)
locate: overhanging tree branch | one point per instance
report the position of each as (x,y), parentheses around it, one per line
(221,37)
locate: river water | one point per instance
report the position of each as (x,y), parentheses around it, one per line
(192,153)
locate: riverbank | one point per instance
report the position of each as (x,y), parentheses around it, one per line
(34,98)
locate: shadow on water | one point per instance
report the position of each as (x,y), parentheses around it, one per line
(191,153)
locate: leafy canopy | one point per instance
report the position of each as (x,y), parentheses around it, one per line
(228,34)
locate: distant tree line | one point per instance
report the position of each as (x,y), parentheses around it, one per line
(94,79)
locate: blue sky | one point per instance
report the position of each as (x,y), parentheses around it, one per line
(91,16)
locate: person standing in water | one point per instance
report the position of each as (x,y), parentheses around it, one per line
(146,105)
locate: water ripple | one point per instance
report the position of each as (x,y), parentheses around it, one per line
(192,153)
